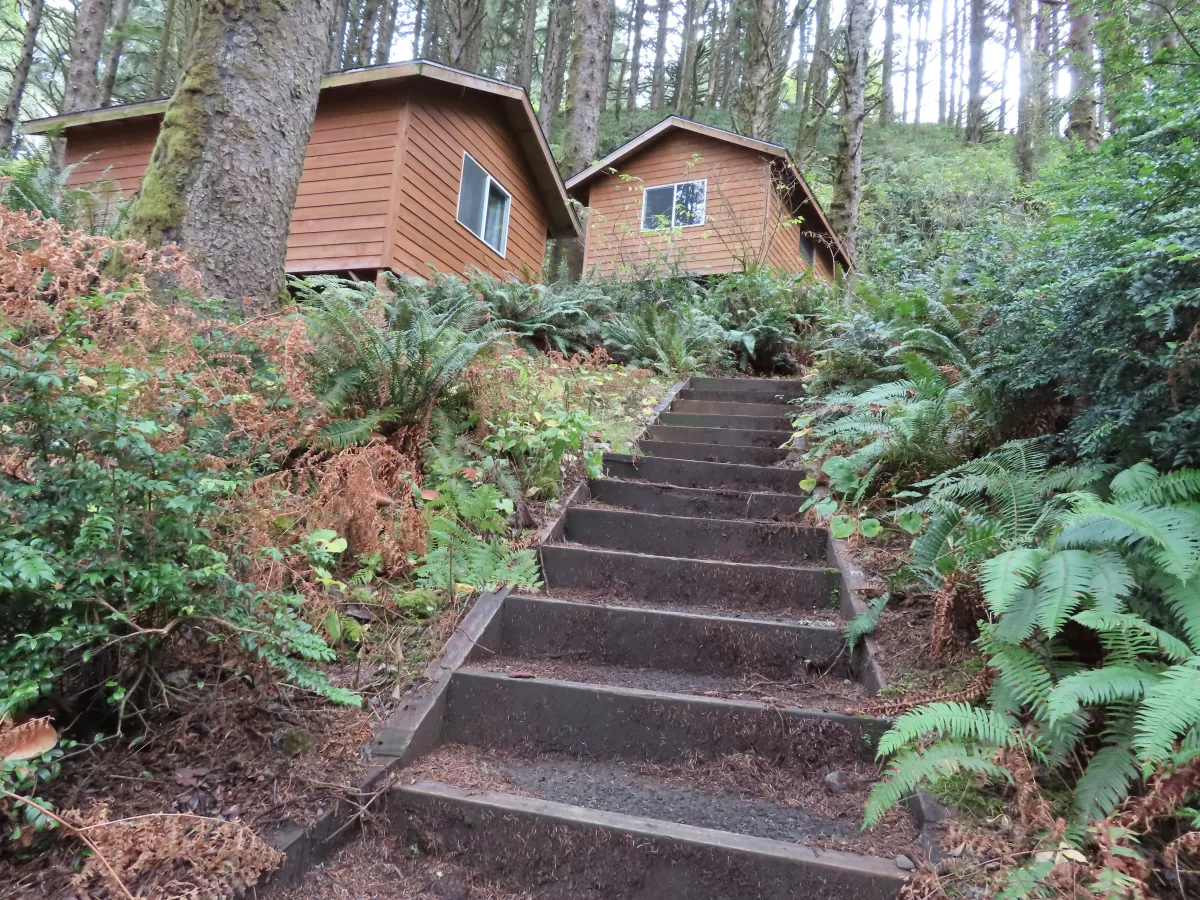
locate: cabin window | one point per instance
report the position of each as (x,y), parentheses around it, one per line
(674,205)
(807,248)
(483,205)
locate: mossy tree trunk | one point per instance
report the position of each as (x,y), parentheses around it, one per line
(223,176)
(847,177)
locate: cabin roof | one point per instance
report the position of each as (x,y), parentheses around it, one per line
(513,101)
(678,123)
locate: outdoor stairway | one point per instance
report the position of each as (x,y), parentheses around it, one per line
(662,723)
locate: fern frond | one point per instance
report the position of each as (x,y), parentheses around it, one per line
(1006,574)
(1183,601)
(1171,709)
(908,770)
(1063,581)
(865,622)
(955,721)
(1170,646)
(1097,687)
(351,431)
(1104,784)
(1173,533)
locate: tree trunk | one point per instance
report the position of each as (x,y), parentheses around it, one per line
(465,32)
(1002,118)
(816,93)
(1081,119)
(908,49)
(658,84)
(223,176)
(418,17)
(366,33)
(847,177)
(112,63)
(1116,64)
(943,61)
(757,105)
(159,80)
(83,88)
(1025,160)
(387,32)
(975,86)
(687,58)
(20,74)
(524,73)
(635,54)
(955,66)
(1042,43)
(922,57)
(554,62)
(608,56)
(887,97)
(337,44)
(435,23)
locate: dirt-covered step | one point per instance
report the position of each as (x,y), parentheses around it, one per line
(546,715)
(701,474)
(730,437)
(669,500)
(809,687)
(572,852)
(734,396)
(750,456)
(719,408)
(768,387)
(644,578)
(696,538)
(739,422)
(542,628)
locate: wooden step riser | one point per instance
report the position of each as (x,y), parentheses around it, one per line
(693,582)
(740,423)
(744,456)
(739,396)
(682,501)
(707,475)
(717,408)
(789,388)
(539,628)
(720,539)
(571,853)
(728,437)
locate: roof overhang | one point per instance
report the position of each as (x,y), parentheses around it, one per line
(514,103)
(581,179)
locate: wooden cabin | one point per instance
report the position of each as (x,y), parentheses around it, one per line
(410,166)
(691,198)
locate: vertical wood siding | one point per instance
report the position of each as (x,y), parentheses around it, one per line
(441,125)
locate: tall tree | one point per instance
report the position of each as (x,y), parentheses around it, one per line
(418,23)
(816,90)
(464,20)
(524,68)
(685,69)
(635,54)
(1002,117)
(943,61)
(112,62)
(975,84)
(847,175)
(1081,52)
(387,31)
(163,56)
(922,58)
(20,74)
(658,81)
(1023,149)
(223,176)
(757,105)
(554,60)
(908,49)
(887,94)
(83,86)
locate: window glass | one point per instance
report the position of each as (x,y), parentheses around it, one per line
(471,194)
(689,203)
(656,207)
(496,227)
(807,249)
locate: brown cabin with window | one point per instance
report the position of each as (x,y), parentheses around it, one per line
(410,166)
(692,198)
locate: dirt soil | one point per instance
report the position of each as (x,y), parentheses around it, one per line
(816,691)
(742,793)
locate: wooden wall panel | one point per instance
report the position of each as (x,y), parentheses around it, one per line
(441,125)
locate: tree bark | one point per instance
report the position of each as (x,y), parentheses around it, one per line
(1002,118)
(20,74)
(1117,61)
(943,61)
(159,80)
(554,62)
(687,59)
(608,57)
(816,91)
(387,32)
(975,85)
(1043,39)
(1081,49)
(922,58)
(418,16)
(887,97)
(1025,160)
(757,106)
(524,71)
(112,62)
(465,19)
(908,67)
(635,55)
(223,176)
(847,178)
(658,84)
(83,87)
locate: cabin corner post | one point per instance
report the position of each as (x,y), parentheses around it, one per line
(387,257)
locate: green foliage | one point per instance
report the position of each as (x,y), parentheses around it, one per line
(565,316)
(34,183)
(457,557)
(864,624)
(666,340)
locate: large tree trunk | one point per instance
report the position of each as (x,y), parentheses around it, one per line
(524,71)
(658,84)
(83,88)
(112,62)
(975,85)
(635,54)
(758,105)
(1081,119)
(554,61)
(1043,41)
(387,32)
(687,59)
(1026,162)
(465,20)
(20,74)
(223,176)
(159,79)
(887,97)
(589,62)
(847,176)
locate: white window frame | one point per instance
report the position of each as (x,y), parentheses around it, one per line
(502,250)
(674,208)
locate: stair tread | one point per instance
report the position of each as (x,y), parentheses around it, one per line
(602,598)
(739,794)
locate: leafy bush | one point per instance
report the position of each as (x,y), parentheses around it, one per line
(667,340)
(564,316)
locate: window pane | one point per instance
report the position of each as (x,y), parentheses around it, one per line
(689,203)
(656,208)
(806,248)
(497,218)
(470,195)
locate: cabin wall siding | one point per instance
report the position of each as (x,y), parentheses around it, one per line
(441,126)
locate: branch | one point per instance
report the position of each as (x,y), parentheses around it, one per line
(1175,22)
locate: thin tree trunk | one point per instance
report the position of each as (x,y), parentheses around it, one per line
(366,34)
(352,33)
(683,71)
(816,92)
(955,66)
(435,14)
(658,83)
(466,22)
(887,96)
(1116,75)
(847,177)
(1002,119)
(83,87)
(1042,42)
(635,54)
(943,62)
(223,176)
(418,16)
(159,79)
(554,61)
(922,57)
(524,72)
(387,32)
(1026,162)
(112,63)
(337,44)
(908,49)
(1081,49)
(975,88)
(20,74)
(608,55)
(960,103)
